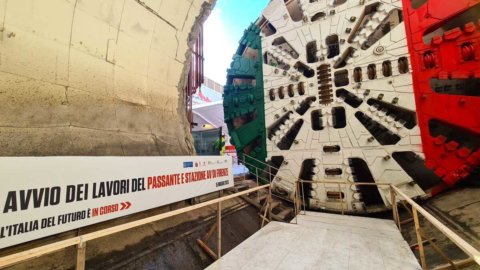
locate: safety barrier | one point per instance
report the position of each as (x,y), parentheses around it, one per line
(396,196)
(80,241)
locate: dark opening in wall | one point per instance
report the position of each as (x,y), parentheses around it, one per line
(361,173)
(405,116)
(289,138)
(462,87)
(471,14)
(387,68)
(350,98)
(312,52)
(464,137)
(372,71)
(305,105)
(415,167)
(403,65)
(307,171)
(283,44)
(266,27)
(281,92)
(382,134)
(339,117)
(271,94)
(304,69)
(273,128)
(301,88)
(290,90)
(366,16)
(333,46)
(333,171)
(317,122)
(331,148)
(418,3)
(294,9)
(318,16)
(341,78)
(335,195)
(268,59)
(337,2)
(357,74)
(346,55)
(392,20)
(276,162)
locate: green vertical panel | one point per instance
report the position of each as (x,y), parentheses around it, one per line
(244,100)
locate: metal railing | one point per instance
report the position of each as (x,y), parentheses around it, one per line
(271,175)
(474,254)
(80,241)
(396,196)
(399,196)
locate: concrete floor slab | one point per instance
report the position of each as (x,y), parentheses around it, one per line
(323,241)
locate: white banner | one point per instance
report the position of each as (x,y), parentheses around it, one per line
(42,196)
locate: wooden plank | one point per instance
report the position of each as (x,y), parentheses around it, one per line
(419,239)
(37,252)
(437,249)
(207,249)
(219,230)
(414,246)
(394,208)
(210,232)
(462,244)
(270,204)
(81,250)
(458,264)
(405,221)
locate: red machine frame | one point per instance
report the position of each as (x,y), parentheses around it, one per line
(453,55)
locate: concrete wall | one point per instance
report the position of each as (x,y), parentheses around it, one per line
(95,77)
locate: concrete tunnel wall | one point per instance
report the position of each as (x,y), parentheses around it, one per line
(95,77)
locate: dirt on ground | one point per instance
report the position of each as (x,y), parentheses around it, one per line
(458,209)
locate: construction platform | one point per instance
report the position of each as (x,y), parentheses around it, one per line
(323,241)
